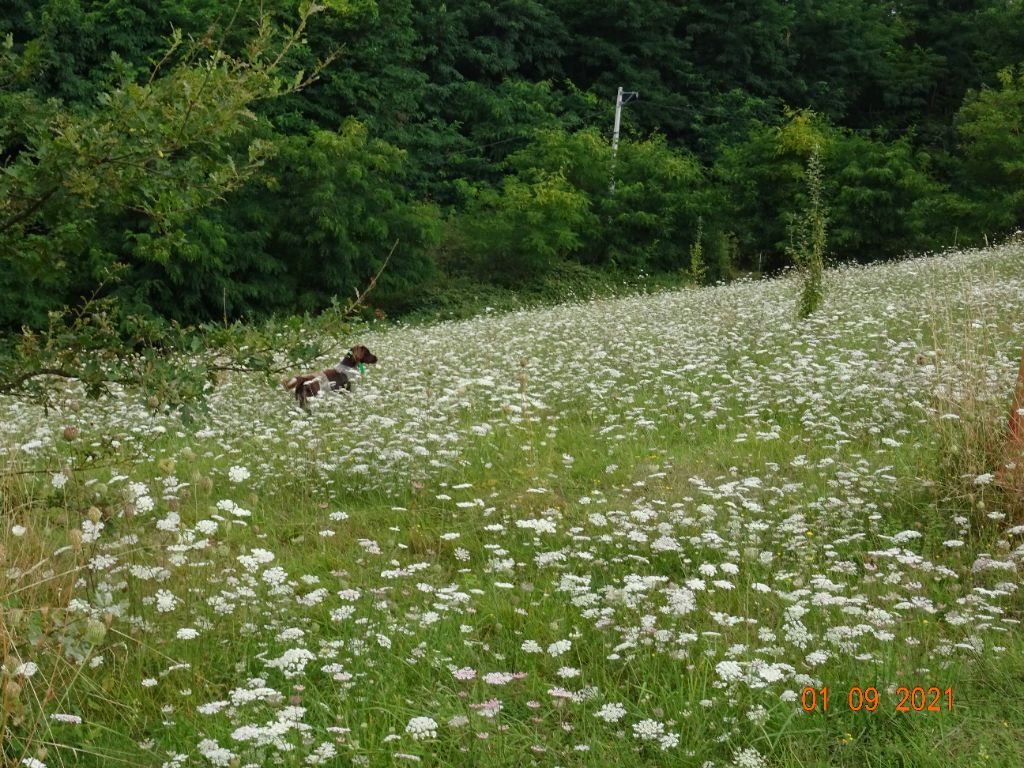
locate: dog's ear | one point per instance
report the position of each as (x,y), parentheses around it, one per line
(357,352)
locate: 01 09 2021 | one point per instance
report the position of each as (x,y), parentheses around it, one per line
(901,699)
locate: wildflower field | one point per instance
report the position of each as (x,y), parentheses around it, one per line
(680,529)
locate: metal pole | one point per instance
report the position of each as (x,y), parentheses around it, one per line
(619,101)
(615,134)
(618,123)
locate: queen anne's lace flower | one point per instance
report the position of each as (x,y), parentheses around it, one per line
(422,728)
(649,730)
(611,713)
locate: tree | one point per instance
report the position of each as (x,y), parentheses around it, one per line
(762,179)
(882,200)
(990,126)
(162,149)
(350,190)
(517,236)
(844,53)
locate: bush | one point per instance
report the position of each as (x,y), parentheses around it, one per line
(517,235)
(327,210)
(557,203)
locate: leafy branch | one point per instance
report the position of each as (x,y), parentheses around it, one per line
(176,366)
(164,148)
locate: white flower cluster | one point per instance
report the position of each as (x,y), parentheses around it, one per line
(238,474)
(421,728)
(292,662)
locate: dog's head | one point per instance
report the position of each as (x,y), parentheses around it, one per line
(360,354)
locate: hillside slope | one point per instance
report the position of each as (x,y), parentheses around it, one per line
(624,530)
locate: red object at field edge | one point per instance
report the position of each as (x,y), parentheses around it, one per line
(1016,417)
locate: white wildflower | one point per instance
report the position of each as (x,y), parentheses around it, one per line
(611,713)
(649,730)
(165,601)
(559,647)
(422,728)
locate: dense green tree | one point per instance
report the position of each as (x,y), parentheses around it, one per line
(883,200)
(490,112)
(761,178)
(877,191)
(75,49)
(990,127)
(635,224)
(328,207)
(944,49)
(520,233)
(158,150)
(489,40)
(844,54)
(704,70)
(163,150)
(660,199)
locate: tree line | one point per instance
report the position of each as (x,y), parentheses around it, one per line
(197,161)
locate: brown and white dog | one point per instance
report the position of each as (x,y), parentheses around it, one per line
(340,376)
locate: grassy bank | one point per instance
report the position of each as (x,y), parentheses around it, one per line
(606,533)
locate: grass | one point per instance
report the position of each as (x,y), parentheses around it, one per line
(604,533)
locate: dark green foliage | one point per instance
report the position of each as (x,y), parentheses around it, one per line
(476,134)
(520,233)
(659,199)
(881,197)
(337,204)
(990,127)
(557,203)
(882,201)
(761,177)
(318,225)
(139,165)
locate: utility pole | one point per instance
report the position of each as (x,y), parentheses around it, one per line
(619,101)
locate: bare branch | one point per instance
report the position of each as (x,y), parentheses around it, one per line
(19,381)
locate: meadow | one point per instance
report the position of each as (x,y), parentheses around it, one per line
(639,531)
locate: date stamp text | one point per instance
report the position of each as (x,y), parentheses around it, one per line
(856,699)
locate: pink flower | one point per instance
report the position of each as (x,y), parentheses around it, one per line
(489,708)
(498,678)
(466,673)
